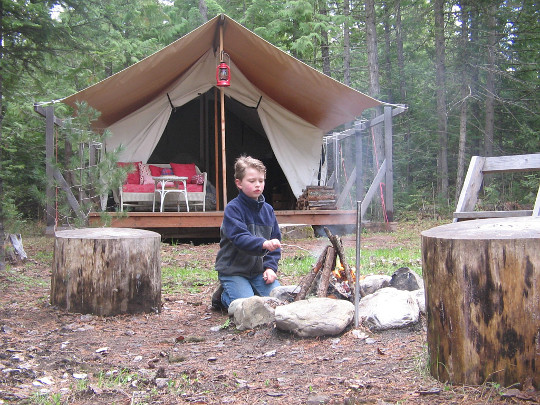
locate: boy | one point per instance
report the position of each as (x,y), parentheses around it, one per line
(250,247)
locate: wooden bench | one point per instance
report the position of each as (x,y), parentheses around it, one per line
(475,176)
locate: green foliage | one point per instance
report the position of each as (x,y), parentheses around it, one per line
(89,168)
(48,56)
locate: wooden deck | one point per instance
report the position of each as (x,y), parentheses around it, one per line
(206,224)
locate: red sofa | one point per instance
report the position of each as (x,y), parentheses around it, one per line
(139,188)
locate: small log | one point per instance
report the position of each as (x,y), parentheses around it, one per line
(307,281)
(482,281)
(107,271)
(338,245)
(329,265)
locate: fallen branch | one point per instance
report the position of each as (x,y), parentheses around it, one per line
(306,282)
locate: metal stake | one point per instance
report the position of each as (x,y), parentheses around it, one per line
(357,271)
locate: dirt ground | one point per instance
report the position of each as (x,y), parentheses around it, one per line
(190,353)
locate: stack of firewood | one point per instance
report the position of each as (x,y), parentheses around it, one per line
(319,279)
(317,198)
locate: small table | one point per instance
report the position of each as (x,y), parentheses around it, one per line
(161,182)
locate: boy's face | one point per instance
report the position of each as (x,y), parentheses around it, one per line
(252,184)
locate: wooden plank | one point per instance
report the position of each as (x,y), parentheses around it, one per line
(373,188)
(213,219)
(72,201)
(380,118)
(492,214)
(346,190)
(471,185)
(536,209)
(515,163)
(41,111)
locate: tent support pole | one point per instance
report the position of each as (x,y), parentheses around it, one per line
(223,154)
(216,149)
(222,100)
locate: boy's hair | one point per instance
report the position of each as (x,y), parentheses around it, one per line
(245,162)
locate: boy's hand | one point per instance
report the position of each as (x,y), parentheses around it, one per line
(269,276)
(271,244)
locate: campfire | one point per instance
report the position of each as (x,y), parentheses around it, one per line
(331,276)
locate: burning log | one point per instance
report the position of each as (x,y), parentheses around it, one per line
(306,282)
(338,245)
(329,265)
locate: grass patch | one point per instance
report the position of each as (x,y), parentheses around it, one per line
(191,278)
(386,260)
(372,261)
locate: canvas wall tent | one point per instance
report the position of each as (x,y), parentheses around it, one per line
(294,103)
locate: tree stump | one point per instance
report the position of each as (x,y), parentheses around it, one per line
(482,281)
(107,271)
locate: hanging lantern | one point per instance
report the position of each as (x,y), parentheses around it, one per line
(223,73)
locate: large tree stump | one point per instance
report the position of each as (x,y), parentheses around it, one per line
(482,281)
(107,271)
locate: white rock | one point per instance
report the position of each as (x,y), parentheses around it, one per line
(315,317)
(388,308)
(248,313)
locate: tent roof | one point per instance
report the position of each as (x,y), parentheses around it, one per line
(306,92)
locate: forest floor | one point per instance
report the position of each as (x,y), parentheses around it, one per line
(190,353)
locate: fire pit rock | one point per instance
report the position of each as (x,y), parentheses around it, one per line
(374,282)
(248,313)
(315,317)
(390,308)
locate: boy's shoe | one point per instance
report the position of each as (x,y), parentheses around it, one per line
(216,298)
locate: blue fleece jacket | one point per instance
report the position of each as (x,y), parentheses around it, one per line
(247,223)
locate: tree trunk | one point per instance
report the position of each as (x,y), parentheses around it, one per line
(403,88)
(346,45)
(490,80)
(107,271)
(203,10)
(374,86)
(325,52)
(387,51)
(465,92)
(482,281)
(442,162)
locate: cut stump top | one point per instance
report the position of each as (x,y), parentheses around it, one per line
(488,229)
(106,233)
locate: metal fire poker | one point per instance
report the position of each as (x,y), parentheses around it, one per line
(357,272)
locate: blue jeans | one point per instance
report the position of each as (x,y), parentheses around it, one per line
(244,287)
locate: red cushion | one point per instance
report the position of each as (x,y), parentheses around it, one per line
(184,169)
(155,170)
(133,177)
(138,188)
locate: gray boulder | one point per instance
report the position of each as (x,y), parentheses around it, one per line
(315,317)
(406,279)
(285,293)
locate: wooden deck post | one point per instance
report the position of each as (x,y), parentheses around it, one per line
(49,170)
(388,155)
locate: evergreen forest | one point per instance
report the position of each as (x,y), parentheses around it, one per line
(467,70)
